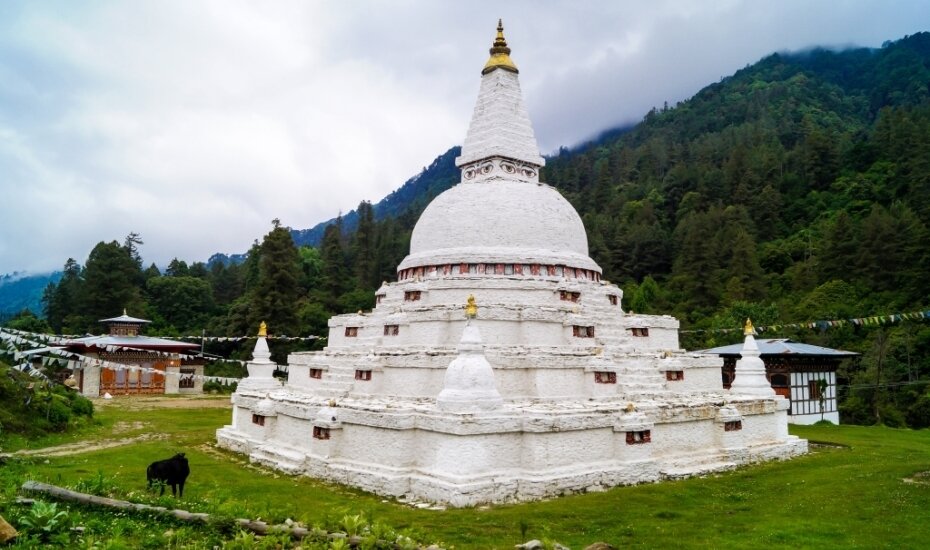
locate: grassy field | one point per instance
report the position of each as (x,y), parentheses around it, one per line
(855,492)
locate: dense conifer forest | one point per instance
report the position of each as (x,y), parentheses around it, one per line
(797,189)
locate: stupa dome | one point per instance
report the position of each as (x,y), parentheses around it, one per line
(499,222)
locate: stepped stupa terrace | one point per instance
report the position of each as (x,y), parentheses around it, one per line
(500,366)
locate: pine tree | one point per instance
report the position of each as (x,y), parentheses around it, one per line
(276,293)
(62,300)
(334,282)
(840,248)
(363,245)
(111,277)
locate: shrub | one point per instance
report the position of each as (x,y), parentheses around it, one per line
(918,415)
(58,414)
(47,522)
(82,406)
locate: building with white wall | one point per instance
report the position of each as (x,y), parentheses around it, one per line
(500,366)
(795,371)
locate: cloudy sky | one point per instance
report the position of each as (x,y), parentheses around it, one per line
(195,123)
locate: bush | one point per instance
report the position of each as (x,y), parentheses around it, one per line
(58,414)
(918,415)
(47,522)
(82,406)
(218,387)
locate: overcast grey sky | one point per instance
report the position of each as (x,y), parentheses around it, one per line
(195,123)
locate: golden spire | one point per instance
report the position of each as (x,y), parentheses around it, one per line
(263,329)
(500,53)
(748,330)
(471,308)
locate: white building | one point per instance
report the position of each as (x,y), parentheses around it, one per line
(541,386)
(803,373)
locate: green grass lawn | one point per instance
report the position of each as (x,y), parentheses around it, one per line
(851,495)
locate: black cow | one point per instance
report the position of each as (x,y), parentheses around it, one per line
(173,471)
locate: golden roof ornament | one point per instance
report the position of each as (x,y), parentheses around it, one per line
(471,308)
(263,330)
(500,53)
(748,330)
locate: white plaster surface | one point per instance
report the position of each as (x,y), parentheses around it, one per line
(500,125)
(477,223)
(515,405)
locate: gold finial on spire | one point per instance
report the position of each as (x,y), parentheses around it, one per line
(471,308)
(124,312)
(500,53)
(263,329)
(748,330)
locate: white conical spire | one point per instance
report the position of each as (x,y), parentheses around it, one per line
(261,367)
(500,125)
(749,377)
(469,383)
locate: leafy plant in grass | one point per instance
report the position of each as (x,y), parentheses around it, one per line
(354,525)
(46,521)
(98,485)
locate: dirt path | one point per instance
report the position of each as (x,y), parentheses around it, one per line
(85,446)
(144,402)
(131,403)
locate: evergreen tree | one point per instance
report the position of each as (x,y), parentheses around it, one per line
(275,296)
(334,277)
(62,300)
(111,275)
(363,247)
(840,248)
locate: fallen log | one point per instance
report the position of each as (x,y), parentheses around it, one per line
(255,526)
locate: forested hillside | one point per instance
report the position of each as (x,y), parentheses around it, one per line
(22,291)
(409,200)
(796,189)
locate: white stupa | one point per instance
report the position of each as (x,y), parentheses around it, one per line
(541,385)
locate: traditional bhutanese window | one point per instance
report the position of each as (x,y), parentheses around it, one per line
(733,426)
(518,269)
(391,330)
(813,389)
(639,437)
(364,375)
(605,377)
(614,300)
(351,332)
(499,269)
(187,379)
(319,432)
(258,419)
(674,375)
(727,379)
(378,298)
(411,295)
(569,296)
(316,373)
(640,331)
(579,331)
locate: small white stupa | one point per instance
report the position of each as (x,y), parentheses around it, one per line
(750,376)
(469,382)
(548,388)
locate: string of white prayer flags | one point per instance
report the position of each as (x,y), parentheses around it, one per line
(823,324)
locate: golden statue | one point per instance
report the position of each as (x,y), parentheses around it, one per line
(748,330)
(471,308)
(263,329)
